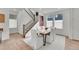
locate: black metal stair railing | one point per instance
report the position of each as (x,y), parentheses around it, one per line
(30,13)
(27,27)
(30,24)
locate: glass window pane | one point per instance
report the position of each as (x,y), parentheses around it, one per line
(50,18)
(50,21)
(12,23)
(59,17)
(12,16)
(59,24)
(58,21)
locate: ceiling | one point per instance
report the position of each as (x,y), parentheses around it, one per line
(40,10)
(46,10)
(14,10)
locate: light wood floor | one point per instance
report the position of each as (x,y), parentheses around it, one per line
(71,44)
(14,43)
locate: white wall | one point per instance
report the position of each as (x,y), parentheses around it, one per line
(66,24)
(22,18)
(0,35)
(1,26)
(5,33)
(13,30)
(75,24)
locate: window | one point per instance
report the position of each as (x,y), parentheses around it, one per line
(58,21)
(50,18)
(58,17)
(12,21)
(50,21)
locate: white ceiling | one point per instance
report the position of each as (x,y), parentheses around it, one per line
(14,10)
(40,10)
(46,10)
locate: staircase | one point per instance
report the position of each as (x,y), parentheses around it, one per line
(30,24)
